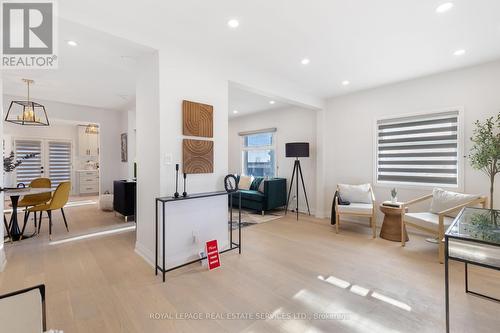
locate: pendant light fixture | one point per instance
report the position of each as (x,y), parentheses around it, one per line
(27,112)
(92,129)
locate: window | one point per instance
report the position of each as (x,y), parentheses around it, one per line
(419,150)
(258,154)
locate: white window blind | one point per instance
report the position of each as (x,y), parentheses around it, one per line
(419,150)
(30,168)
(59,162)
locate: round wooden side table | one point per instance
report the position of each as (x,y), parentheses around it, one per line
(391,228)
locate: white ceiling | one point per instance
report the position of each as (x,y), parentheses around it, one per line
(369,43)
(99,72)
(247,102)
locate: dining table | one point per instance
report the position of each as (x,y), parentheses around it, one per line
(15,194)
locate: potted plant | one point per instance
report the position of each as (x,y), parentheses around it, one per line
(394,195)
(10,163)
(485,152)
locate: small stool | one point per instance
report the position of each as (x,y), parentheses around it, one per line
(391,228)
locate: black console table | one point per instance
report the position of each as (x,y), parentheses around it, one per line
(165,200)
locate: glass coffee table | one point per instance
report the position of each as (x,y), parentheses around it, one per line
(474,239)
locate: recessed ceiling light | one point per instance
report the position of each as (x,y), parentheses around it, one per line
(235,111)
(305,61)
(272,102)
(346,83)
(443,8)
(459,52)
(233,23)
(72,43)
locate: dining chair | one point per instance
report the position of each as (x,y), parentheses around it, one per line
(32,200)
(59,199)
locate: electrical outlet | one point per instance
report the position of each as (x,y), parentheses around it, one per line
(168,159)
(195,236)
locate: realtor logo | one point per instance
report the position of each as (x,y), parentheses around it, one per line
(28,34)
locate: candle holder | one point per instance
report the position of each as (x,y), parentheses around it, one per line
(176,194)
(184,194)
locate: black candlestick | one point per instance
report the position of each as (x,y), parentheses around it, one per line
(176,194)
(184,194)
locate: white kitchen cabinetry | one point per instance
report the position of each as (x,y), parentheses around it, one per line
(88,144)
(88,181)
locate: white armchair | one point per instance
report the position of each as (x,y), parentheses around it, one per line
(362,204)
(444,206)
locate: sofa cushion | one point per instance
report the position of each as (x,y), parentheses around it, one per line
(261,186)
(245,182)
(427,220)
(252,195)
(356,193)
(356,208)
(256,183)
(443,200)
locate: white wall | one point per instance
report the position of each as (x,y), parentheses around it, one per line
(109,121)
(349,156)
(131,130)
(148,153)
(293,125)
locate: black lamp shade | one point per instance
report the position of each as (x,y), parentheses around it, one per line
(297,149)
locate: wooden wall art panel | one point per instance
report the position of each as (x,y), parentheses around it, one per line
(197,119)
(197,156)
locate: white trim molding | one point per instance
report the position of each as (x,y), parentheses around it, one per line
(3,259)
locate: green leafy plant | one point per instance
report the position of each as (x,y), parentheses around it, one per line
(394,193)
(10,163)
(485,152)
(480,226)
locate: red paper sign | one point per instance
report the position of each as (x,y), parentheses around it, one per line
(213,254)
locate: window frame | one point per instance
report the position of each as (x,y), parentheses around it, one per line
(267,147)
(415,186)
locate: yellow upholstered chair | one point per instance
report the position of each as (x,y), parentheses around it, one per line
(35,199)
(58,201)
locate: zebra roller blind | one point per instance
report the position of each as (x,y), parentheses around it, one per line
(419,150)
(59,162)
(30,168)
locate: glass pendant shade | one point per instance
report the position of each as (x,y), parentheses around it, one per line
(27,112)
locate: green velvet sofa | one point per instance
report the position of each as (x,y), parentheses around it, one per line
(274,195)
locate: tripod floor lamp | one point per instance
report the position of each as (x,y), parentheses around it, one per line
(297,149)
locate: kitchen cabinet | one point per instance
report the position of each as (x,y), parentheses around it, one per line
(87,181)
(88,143)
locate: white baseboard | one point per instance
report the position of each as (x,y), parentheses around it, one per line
(3,259)
(145,253)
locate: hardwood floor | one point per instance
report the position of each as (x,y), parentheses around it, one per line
(287,267)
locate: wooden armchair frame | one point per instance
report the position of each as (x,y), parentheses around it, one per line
(439,232)
(371,216)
